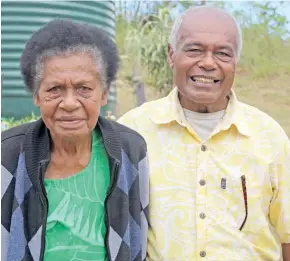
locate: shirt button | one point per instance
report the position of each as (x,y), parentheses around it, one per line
(202,215)
(202,253)
(203,147)
(202,182)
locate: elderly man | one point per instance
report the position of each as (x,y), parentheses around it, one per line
(220,169)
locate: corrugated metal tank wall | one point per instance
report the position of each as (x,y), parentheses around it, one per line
(20,19)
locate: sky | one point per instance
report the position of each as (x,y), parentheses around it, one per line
(284,10)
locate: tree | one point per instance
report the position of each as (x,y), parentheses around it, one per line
(264,33)
(149,41)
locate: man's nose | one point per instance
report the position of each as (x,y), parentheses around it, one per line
(208,62)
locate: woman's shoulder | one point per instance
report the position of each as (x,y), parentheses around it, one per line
(131,142)
(123,131)
(11,134)
(11,144)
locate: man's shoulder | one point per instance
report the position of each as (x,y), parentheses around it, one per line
(144,110)
(132,143)
(142,114)
(261,122)
(127,131)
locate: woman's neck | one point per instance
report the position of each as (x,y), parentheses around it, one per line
(71,146)
(68,156)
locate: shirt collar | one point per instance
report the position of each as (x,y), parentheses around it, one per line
(236,115)
(169,109)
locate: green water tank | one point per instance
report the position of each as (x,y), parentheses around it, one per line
(20,19)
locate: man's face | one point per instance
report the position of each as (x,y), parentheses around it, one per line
(204,61)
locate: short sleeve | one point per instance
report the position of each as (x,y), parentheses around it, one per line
(280,205)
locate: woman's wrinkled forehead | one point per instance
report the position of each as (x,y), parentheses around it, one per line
(70,68)
(71,62)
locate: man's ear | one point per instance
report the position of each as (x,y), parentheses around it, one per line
(170,58)
(105,95)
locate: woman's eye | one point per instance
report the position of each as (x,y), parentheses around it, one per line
(54,89)
(84,88)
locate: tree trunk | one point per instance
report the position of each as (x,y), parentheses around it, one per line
(139,88)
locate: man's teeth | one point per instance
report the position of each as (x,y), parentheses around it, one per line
(203,80)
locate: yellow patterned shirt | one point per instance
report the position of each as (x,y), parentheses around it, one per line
(225,199)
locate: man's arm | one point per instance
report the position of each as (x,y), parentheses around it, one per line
(279,208)
(286,252)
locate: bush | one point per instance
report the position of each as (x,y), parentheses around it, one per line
(11,122)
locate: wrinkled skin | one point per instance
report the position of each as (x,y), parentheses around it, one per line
(70,95)
(206,48)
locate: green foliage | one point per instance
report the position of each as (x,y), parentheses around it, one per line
(143,39)
(154,49)
(269,17)
(146,43)
(265,50)
(11,122)
(264,55)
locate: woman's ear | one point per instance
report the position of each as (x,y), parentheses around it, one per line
(36,99)
(105,95)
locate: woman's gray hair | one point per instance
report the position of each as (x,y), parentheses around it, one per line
(65,37)
(178,22)
(93,51)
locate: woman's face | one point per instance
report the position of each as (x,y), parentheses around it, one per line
(70,95)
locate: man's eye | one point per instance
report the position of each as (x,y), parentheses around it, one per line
(223,54)
(225,57)
(194,50)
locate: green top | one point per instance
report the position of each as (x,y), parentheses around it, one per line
(75,229)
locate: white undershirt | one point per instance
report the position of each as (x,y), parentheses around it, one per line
(203,123)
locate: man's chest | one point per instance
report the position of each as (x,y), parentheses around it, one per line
(223,175)
(213,186)
(219,164)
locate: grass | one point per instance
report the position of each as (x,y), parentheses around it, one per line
(271,95)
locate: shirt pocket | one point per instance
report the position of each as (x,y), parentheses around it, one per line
(249,198)
(259,195)
(230,204)
(226,203)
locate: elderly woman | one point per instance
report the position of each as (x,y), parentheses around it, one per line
(74,185)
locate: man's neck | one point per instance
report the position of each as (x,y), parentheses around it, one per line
(203,108)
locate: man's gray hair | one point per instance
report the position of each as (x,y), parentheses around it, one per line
(178,22)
